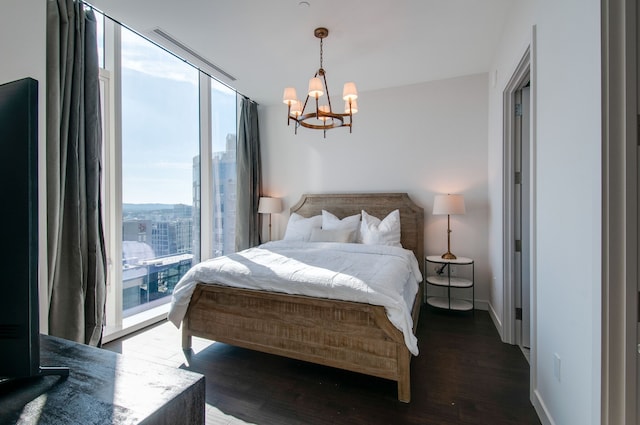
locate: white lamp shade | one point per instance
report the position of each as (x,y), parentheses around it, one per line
(349,91)
(448,204)
(289,96)
(315,87)
(269,205)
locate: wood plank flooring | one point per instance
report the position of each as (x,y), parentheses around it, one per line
(463,375)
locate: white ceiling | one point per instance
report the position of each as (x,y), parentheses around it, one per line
(269,44)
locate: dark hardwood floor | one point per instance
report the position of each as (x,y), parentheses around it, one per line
(463,375)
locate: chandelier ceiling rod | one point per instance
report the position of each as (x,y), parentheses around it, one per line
(324,117)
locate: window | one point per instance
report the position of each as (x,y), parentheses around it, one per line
(160,140)
(153,174)
(100,37)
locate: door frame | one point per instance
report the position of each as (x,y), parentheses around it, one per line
(522,74)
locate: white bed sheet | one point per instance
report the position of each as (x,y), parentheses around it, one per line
(375,274)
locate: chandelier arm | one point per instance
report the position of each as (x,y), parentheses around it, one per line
(339,121)
(350,116)
(306,100)
(305,105)
(326,88)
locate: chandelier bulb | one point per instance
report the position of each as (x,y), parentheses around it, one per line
(350,107)
(296,109)
(323,109)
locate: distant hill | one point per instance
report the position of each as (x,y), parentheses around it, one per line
(150,207)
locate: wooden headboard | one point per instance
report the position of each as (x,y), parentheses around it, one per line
(376,204)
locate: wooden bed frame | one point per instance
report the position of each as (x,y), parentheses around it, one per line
(348,335)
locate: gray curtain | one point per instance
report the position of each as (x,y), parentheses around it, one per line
(249,167)
(75,237)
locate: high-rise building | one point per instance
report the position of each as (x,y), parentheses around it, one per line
(224,203)
(136,230)
(195,242)
(151,282)
(157,243)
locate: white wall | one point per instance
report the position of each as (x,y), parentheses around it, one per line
(567,311)
(23,53)
(421,139)
(569,207)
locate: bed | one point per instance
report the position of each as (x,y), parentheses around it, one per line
(354,336)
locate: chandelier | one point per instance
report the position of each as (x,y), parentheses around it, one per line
(324,117)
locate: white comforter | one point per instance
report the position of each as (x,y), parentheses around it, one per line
(373,274)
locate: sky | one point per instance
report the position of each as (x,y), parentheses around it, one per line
(160,122)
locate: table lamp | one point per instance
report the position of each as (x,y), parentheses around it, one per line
(269,206)
(448,204)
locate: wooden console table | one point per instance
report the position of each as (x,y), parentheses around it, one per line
(102,388)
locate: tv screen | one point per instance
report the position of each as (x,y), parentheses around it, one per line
(19,319)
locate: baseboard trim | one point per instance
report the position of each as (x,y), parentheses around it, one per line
(134,324)
(541,409)
(481,305)
(496,321)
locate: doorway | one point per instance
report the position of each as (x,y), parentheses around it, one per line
(522,217)
(518,207)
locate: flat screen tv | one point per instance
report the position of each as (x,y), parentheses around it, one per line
(19,315)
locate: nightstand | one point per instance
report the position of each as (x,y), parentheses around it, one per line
(439,273)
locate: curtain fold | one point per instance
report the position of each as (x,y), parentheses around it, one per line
(249,166)
(75,237)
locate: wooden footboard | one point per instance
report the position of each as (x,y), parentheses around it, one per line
(347,335)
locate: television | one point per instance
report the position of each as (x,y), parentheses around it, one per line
(19,308)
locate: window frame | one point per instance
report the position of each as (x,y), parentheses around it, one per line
(111,78)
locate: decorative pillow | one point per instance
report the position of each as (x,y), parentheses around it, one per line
(336,235)
(300,228)
(385,232)
(331,222)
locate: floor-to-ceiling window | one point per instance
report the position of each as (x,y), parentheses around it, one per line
(153,173)
(160,139)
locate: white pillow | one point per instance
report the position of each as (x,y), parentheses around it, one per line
(351,223)
(300,228)
(385,232)
(336,235)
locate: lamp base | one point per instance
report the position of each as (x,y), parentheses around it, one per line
(448,256)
